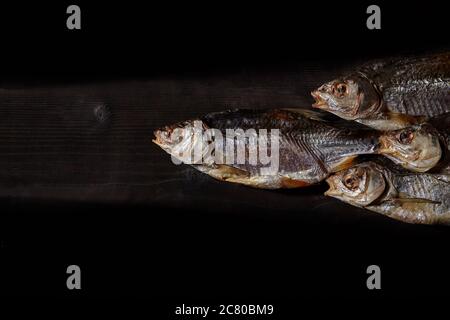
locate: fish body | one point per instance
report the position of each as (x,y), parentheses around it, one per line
(405,196)
(308,148)
(390,94)
(288,148)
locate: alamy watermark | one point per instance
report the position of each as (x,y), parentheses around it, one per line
(199,145)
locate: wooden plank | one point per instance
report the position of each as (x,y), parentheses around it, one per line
(92,141)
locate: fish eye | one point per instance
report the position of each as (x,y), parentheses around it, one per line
(351,182)
(340,89)
(406,137)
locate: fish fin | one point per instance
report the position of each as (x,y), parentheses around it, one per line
(392,121)
(311,114)
(344,163)
(224,172)
(414,200)
(290,183)
(405,120)
(445,178)
(235,175)
(327,118)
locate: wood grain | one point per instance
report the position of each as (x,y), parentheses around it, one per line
(92,141)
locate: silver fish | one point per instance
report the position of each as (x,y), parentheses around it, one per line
(308,147)
(405,196)
(390,94)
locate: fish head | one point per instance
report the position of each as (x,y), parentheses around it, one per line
(351,98)
(416,148)
(359,185)
(179,139)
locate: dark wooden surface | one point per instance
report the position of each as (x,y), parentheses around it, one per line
(78,170)
(92,141)
(82,183)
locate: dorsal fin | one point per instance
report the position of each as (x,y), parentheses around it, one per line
(310,114)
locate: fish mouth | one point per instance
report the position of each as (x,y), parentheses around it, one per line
(157,140)
(332,191)
(162,135)
(320,102)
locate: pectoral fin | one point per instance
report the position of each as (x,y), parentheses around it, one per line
(223,172)
(414,200)
(310,114)
(405,119)
(392,121)
(345,163)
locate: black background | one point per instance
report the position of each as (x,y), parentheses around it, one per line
(130,39)
(204,254)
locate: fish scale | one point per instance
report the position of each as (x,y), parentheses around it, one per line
(390,94)
(409,197)
(425,81)
(316,140)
